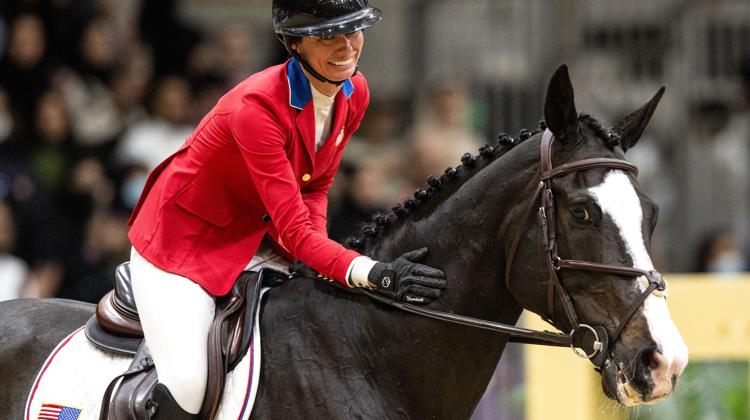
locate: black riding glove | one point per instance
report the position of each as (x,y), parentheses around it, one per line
(405,280)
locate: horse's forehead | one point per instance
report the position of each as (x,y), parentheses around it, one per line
(617,197)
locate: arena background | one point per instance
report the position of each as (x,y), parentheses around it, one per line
(94,93)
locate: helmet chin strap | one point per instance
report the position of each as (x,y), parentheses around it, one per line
(314,73)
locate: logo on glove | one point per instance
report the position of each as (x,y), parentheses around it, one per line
(386,282)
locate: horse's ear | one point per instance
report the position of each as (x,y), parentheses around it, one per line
(631,127)
(559,107)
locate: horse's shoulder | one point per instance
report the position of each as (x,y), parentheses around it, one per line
(311,299)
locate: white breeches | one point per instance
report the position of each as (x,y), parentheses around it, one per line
(176,315)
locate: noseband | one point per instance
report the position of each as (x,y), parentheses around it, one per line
(587,341)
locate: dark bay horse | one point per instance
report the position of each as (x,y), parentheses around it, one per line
(331,354)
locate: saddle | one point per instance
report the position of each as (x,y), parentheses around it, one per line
(116,328)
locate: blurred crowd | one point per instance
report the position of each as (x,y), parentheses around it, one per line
(95,93)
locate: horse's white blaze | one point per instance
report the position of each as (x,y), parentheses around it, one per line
(617,199)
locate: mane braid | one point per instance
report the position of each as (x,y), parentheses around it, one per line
(610,138)
(438,189)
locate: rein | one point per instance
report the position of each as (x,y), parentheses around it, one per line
(591,342)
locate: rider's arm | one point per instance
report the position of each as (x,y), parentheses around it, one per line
(315,197)
(262,140)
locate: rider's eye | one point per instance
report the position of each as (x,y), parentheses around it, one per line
(581,214)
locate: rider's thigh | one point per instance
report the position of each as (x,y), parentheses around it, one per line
(176,315)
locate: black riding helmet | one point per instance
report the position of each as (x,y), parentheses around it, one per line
(298,18)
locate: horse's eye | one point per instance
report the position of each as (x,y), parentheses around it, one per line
(581,214)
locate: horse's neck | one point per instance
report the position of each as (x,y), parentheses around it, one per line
(465,235)
(468,233)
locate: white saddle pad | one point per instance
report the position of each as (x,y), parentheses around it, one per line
(71,382)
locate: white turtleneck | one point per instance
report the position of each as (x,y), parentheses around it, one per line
(323,116)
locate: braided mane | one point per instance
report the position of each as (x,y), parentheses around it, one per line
(440,187)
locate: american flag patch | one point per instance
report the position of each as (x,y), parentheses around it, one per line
(58,412)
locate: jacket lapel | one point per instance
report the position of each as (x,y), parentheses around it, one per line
(300,97)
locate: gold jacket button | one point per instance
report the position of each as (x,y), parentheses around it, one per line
(306,177)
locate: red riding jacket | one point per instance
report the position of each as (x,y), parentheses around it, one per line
(249,168)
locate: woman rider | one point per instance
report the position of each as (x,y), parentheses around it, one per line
(259,165)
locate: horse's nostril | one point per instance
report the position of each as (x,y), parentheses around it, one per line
(651,359)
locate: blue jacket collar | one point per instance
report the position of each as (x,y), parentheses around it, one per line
(300,92)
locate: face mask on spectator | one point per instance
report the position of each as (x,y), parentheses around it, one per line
(730,262)
(131,189)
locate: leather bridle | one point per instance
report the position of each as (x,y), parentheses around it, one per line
(546,215)
(593,341)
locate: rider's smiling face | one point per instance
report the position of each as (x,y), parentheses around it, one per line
(334,58)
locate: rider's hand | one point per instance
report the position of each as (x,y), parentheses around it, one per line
(406,280)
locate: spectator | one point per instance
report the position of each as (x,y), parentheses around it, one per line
(170,38)
(369,180)
(720,252)
(235,45)
(23,71)
(45,280)
(14,272)
(130,82)
(128,90)
(207,81)
(9,146)
(363,192)
(150,141)
(380,132)
(715,173)
(89,274)
(206,93)
(442,132)
(96,120)
(50,155)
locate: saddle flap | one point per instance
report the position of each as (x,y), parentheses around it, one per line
(230,335)
(110,342)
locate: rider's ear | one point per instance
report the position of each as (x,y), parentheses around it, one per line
(631,127)
(559,108)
